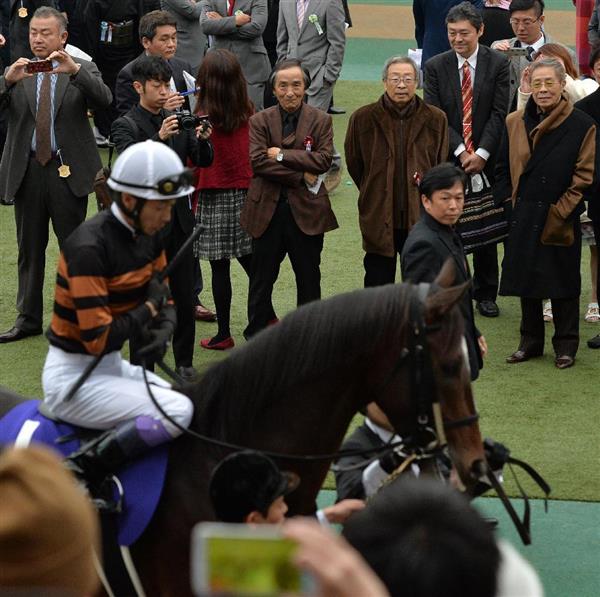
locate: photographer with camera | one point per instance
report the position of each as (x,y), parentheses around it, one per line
(188,137)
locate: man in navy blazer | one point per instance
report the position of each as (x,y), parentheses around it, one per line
(430,25)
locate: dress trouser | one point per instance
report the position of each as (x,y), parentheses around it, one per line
(42,197)
(565,314)
(381,269)
(282,236)
(485,273)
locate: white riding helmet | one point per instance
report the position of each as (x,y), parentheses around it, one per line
(151,170)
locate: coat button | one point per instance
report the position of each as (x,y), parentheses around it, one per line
(514,222)
(536,227)
(543,180)
(540,204)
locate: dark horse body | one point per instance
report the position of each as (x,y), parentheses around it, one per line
(294,390)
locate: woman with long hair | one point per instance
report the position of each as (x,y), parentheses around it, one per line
(223,98)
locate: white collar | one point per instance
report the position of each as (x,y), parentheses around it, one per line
(383,434)
(116,211)
(472,59)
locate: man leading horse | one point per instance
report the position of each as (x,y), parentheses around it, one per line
(109,290)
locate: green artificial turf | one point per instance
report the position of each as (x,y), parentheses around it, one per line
(547,417)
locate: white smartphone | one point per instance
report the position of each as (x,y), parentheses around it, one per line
(237,559)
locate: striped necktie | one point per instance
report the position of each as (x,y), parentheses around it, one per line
(43,149)
(300,11)
(467,100)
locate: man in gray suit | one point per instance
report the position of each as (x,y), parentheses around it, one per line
(51,158)
(527,21)
(237,26)
(314,32)
(191,41)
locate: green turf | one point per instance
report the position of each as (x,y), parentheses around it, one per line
(547,417)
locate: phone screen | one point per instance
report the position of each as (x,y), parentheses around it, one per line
(232,559)
(38,66)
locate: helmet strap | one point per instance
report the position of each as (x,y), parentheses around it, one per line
(134,213)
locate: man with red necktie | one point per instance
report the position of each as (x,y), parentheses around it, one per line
(470,84)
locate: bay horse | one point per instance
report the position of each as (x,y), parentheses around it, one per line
(294,390)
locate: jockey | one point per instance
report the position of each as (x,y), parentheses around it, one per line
(108,291)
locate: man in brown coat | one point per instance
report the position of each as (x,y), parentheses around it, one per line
(287,209)
(389,145)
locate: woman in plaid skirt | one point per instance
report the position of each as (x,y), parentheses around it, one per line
(222,187)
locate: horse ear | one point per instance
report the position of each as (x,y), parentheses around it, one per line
(440,302)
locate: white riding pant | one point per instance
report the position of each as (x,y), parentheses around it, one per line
(115,392)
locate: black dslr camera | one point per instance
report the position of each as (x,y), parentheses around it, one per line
(187,121)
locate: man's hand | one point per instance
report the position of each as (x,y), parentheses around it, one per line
(174,102)
(2,40)
(158,293)
(472,163)
(16,71)
(340,512)
(502,45)
(66,64)
(213,15)
(156,349)
(483,347)
(272,152)
(241,18)
(310,179)
(525,85)
(204,131)
(169,128)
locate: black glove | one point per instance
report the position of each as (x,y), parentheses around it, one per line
(158,343)
(391,461)
(158,293)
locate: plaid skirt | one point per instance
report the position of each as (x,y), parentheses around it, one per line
(218,214)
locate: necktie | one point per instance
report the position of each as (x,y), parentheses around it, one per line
(43,149)
(300,11)
(467,99)
(530,52)
(289,125)
(230,4)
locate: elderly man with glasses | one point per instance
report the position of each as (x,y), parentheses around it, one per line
(389,145)
(527,21)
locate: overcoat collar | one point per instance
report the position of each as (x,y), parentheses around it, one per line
(445,234)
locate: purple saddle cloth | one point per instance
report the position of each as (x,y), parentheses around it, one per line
(142,481)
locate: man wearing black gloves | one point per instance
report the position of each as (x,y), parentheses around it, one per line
(108,290)
(149,120)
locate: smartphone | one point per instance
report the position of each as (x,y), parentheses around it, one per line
(236,559)
(514,52)
(39,66)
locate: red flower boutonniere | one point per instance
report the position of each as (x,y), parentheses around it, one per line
(417,179)
(308,143)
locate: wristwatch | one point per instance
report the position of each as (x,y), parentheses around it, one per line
(280,156)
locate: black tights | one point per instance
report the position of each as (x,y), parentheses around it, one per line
(221,288)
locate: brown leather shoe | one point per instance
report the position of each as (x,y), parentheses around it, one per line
(564,361)
(520,356)
(201,313)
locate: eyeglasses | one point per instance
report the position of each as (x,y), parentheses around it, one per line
(547,83)
(165,186)
(524,22)
(395,81)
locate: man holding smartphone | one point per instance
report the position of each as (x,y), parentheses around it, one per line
(47,121)
(150,120)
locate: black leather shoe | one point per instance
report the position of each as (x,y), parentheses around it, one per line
(15,334)
(488,308)
(188,374)
(334,110)
(564,361)
(594,342)
(520,356)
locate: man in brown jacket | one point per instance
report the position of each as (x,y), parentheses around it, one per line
(287,209)
(389,145)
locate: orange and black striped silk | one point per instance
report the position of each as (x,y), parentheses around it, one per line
(101,284)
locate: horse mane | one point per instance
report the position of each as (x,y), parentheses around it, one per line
(310,341)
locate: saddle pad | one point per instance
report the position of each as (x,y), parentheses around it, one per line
(142,481)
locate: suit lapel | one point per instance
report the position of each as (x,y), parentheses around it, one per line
(273,118)
(482,65)
(30,87)
(454,79)
(62,82)
(460,260)
(303,128)
(310,9)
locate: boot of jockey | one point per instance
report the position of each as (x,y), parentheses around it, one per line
(100,458)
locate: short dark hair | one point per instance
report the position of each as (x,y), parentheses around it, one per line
(289,63)
(424,539)
(46,12)
(465,11)
(151,68)
(440,177)
(594,55)
(156,18)
(537,5)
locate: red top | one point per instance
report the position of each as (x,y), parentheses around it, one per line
(231,165)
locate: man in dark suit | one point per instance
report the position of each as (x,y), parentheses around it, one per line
(430,25)
(470,84)
(158,36)
(50,159)
(433,240)
(287,209)
(149,120)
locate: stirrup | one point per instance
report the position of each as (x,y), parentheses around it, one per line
(102,503)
